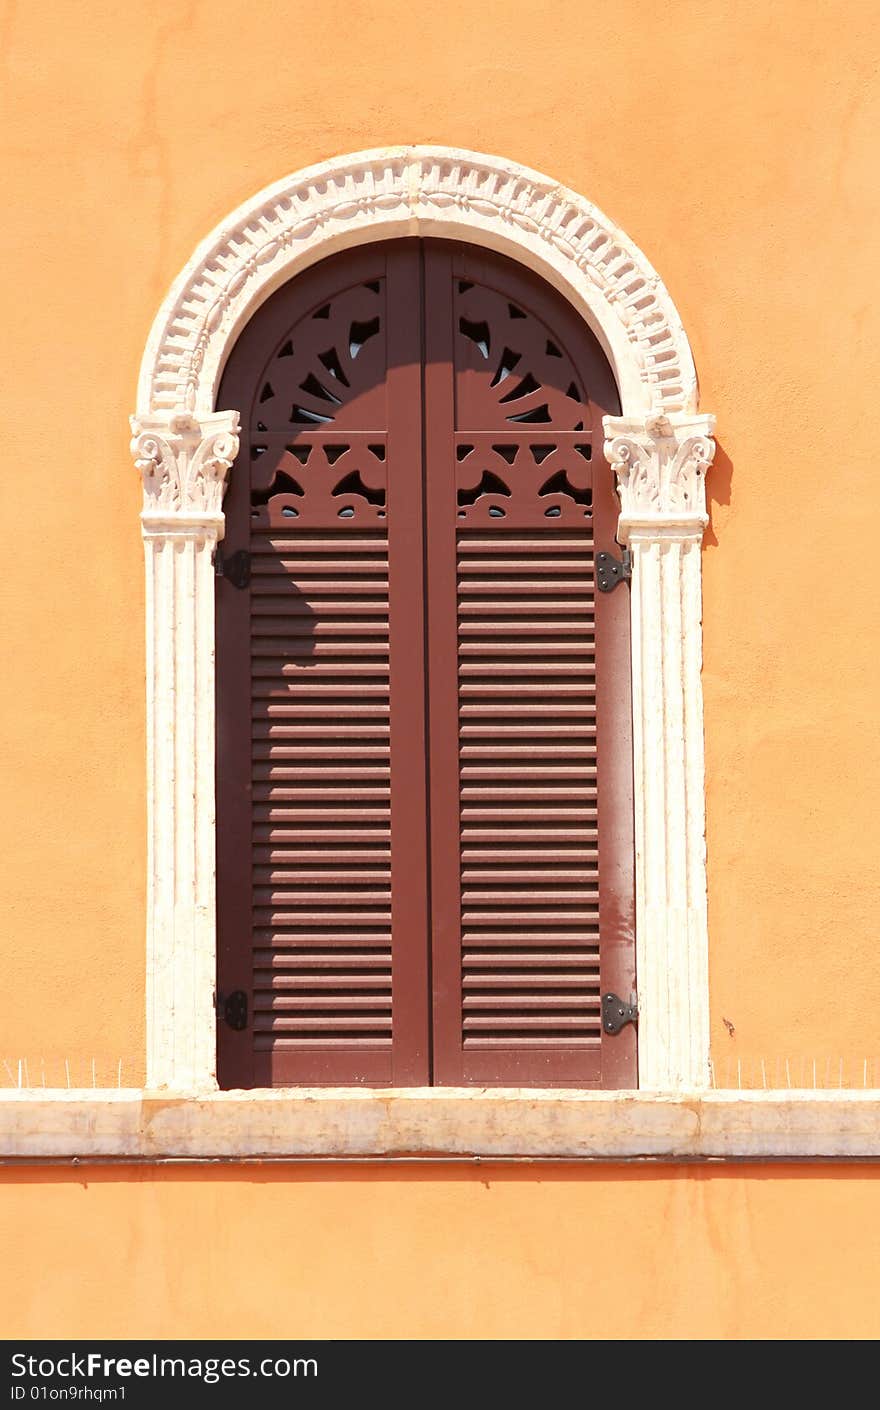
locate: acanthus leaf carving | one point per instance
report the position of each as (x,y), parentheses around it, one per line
(661,464)
(184,461)
(155,459)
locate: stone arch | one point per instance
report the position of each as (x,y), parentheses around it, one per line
(418,191)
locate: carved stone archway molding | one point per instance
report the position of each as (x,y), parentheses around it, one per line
(660,448)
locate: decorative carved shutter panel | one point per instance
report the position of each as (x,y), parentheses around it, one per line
(421,663)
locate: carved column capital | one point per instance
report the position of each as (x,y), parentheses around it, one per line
(661,464)
(184,460)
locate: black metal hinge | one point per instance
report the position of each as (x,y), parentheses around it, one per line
(236,568)
(616,1013)
(233,1009)
(610,570)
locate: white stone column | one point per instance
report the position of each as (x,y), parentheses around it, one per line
(661,463)
(184,460)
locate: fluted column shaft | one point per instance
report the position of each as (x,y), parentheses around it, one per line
(184,461)
(661,464)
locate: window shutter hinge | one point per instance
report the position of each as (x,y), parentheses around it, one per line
(616,1013)
(610,570)
(236,568)
(233,1009)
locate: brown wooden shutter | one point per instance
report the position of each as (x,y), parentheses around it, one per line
(320,684)
(420,657)
(531,802)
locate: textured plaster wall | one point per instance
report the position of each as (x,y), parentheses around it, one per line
(561,1252)
(736,144)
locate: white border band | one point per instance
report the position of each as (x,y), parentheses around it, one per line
(437,1124)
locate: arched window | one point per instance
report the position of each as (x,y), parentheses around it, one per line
(424,768)
(583,287)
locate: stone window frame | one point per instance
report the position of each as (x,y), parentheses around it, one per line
(660,448)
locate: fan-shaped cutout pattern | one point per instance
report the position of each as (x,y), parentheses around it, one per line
(523,373)
(522,389)
(330,359)
(478,333)
(314,388)
(360,333)
(508,362)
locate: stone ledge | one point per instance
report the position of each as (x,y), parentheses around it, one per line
(453,1123)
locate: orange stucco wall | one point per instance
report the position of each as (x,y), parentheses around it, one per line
(736,145)
(566,1252)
